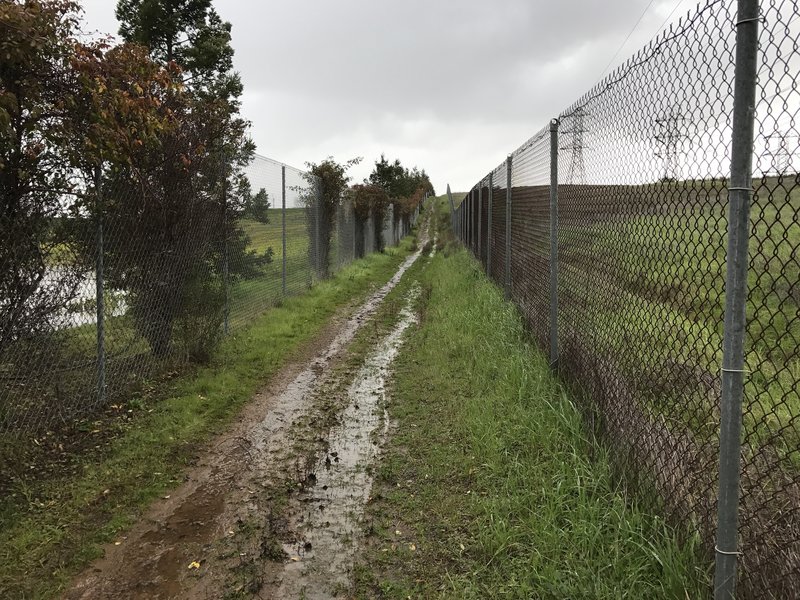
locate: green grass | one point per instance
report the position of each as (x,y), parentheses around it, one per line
(490,474)
(50,529)
(269,235)
(458,198)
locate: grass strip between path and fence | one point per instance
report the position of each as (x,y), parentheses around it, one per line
(490,485)
(49,530)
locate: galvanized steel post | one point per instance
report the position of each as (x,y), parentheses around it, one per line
(225,268)
(452,209)
(469,220)
(480,221)
(283,229)
(99,283)
(739,192)
(508,227)
(465,216)
(489,228)
(317,231)
(554,243)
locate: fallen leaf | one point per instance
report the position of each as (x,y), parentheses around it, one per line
(412,547)
(194,565)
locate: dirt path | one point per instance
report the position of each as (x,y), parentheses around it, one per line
(326,515)
(272,506)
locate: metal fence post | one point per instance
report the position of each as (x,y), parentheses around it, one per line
(480,221)
(283,229)
(554,243)
(99,283)
(225,269)
(508,227)
(452,209)
(469,220)
(318,232)
(475,222)
(354,232)
(739,192)
(489,228)
(462,218)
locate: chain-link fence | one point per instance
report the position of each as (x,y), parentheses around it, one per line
(622,233)
(138,272)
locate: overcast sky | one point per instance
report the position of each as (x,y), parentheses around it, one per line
(450,86)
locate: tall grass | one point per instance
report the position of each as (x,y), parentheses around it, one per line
(491,477)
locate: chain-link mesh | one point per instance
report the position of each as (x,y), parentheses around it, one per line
(140,271)
(343,240)
(644,161)
(498,232)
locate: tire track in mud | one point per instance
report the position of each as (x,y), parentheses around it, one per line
(326,517)
(198,542)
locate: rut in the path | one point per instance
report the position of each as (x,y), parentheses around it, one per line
(189,544)
(326,517)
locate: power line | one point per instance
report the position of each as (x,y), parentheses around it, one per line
(625,41)
(669,16)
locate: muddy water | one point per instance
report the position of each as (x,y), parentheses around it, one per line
(328,513)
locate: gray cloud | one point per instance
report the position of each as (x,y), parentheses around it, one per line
(451,86)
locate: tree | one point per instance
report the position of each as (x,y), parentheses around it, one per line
(397,180)
(389,176)
(36,183)
(369,200)
(177,194)
(257,206)
(327,183)
(405,188)
(191,34)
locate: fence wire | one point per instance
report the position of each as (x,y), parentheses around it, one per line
(643,168)
(109,283)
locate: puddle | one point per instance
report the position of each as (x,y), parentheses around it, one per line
(329,513)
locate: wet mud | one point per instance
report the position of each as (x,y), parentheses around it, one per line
(327,516)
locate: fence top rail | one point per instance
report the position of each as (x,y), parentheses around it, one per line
(277,163)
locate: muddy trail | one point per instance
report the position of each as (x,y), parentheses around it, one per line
(271,508)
